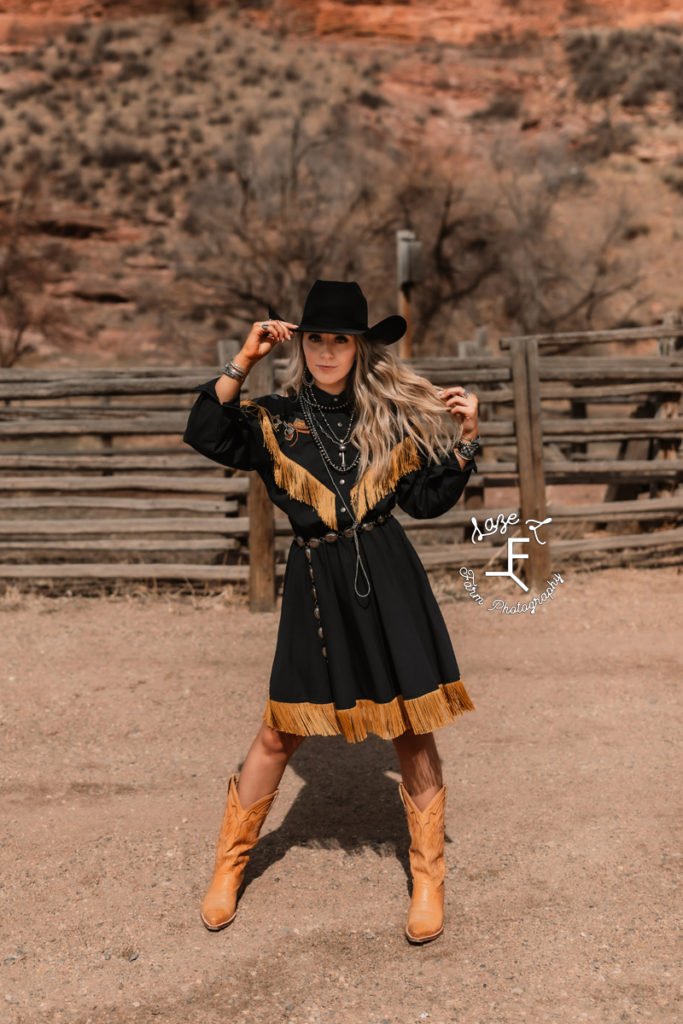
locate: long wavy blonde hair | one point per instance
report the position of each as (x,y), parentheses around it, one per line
(390,402)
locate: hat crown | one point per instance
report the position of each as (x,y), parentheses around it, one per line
(335,307)
(339,307)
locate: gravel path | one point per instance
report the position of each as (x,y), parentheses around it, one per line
(121,720)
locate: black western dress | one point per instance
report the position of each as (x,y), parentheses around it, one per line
(346,661)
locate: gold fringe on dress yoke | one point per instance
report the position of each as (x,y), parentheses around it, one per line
(293,478)
(369,489)
(303,486)
(421,714)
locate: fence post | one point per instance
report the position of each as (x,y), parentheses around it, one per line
(670,404)
(475,496)
(527,398)
(261,513)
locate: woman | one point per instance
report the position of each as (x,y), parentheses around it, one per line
(362,645)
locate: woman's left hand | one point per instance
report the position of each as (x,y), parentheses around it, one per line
(463,404)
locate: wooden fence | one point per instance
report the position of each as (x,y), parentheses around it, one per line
(96,484)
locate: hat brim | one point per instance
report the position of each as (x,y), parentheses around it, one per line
(387,331)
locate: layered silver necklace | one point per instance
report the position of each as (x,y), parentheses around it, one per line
(314,414)
(316,421)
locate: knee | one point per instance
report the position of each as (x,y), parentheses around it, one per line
(279,744)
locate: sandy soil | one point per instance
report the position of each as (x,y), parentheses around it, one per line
(121,720)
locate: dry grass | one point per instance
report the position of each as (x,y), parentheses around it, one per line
(49,594)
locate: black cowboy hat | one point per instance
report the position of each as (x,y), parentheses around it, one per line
(339,307)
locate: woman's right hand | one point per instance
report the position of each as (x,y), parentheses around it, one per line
(264,336)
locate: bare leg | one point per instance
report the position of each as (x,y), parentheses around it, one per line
(265,763)
(420,766)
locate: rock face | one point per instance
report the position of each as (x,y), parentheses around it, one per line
(411,21)
(126,124)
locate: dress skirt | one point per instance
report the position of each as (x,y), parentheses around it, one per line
(382,663)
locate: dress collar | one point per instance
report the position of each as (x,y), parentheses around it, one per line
(326,398)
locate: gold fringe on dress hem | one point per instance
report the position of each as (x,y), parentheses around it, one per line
(421,714)
(293,478)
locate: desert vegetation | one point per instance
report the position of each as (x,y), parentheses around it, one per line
(633,65)
(219,167)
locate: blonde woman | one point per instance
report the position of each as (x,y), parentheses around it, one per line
(362,645)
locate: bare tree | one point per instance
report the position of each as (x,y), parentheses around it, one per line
(279,215)
(558,273)
(287,208)
(459,240)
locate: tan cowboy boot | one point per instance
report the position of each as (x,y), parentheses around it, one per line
(427,866)
(238,835)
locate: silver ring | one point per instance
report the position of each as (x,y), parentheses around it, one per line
(465,393)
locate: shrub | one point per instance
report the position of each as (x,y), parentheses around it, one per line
(59,72)
(121,154)
(674,181)
(501,108)
(607,138)
(133,67)
(633,64)
(72,181)
(102,40)
(251,125)
(636,230)
(164,204)
(373,100)
(76,34)
(504,43)
(26,92)
(191,9)
(126,32)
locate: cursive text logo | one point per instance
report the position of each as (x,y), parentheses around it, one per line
(498,604)
(501,522)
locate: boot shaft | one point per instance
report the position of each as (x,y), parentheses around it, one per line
(241,825)
(426,854)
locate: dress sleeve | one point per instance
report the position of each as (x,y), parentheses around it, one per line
(430,491)
(224,432)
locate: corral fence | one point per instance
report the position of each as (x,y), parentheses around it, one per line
(96,484)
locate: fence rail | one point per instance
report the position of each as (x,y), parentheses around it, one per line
(95,483)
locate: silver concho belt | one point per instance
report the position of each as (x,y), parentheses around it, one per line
(330,538)
(333,535)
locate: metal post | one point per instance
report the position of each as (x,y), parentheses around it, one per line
(527,398)
(408,273)
(405,345)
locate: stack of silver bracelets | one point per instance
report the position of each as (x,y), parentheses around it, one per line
(231,369)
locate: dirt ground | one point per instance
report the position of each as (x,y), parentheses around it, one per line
(122,718)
